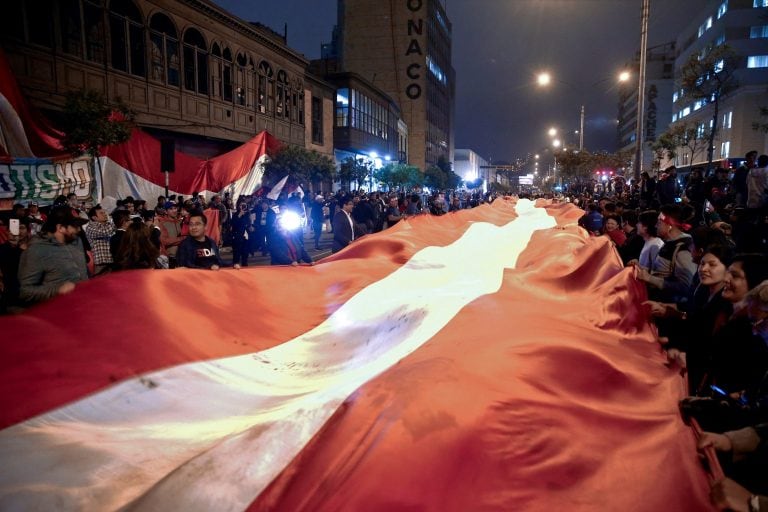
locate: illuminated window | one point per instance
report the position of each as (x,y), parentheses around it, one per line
(760,3)
(436,71)
(757,61)
(727,119)
(722,9)
(758,32)
(674,117)
(685,112)
(342,107)
(720,40)
(675,96)
(719,65)
(725,149)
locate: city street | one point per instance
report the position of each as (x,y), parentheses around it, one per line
(309,244)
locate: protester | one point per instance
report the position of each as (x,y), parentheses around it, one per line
(199,250)
(55,260)
(99,232)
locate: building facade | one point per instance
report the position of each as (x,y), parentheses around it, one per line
(659,85)
(403,47)
(190,70)
(743,26)
(471,166)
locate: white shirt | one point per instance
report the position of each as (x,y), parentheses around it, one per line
(649,251)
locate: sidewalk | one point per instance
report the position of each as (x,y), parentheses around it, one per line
(309,244)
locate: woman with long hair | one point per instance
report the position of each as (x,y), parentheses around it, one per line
(136,250)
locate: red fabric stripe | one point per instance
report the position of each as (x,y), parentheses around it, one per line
(128,323)
(141,156)
(548,395)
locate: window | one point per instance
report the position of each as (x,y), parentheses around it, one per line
(675,96)
(127,37)
(342,107)
(244,77)
(697,105)
(266,93)
(720,40)
(71,27)
(722,9)
(757,61)
(674,117)
(195,62)
(164,50)
(317,120)
(39,27)
(93,12)
(727,119)
(301,106)
(725,149)
(758,32)
(719,65)
(685,112)
(760,3)
(221,72)
(282,90)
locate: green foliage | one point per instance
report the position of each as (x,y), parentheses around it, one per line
(681,135)
(302,165)
(401,176)
(577,165)
(710,76)
(91,122)
(435,178)
(355,170)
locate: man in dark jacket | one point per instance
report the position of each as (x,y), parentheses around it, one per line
(55,260)
(343,225)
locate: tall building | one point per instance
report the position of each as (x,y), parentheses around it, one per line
(659,84)
(191,71)
(403,47)
(471,166)
(743,26)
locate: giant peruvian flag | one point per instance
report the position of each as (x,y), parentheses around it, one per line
(491,359)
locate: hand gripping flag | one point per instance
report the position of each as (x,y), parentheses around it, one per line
(490,359)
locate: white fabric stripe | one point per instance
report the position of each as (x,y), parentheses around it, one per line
(234,424)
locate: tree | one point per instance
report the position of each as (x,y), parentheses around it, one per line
(682,135)
(709,77)
(91,122)
(401,176)
(302,165)
(435,178)
(354,169)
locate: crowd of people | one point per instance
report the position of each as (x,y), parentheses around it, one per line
(700,247)
(44,254)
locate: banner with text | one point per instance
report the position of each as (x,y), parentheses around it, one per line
(42,180)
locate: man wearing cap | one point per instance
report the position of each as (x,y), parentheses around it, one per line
(55,260)
(35,217)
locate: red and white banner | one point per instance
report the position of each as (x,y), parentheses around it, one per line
(133,169)
(490,359)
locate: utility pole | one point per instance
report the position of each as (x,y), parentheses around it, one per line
(641,90)
(581,130)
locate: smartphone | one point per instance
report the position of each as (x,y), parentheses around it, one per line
(718,390)
(708,206)
(678,200)
(13,226)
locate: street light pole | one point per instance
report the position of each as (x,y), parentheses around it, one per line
(581,130)
(641,89)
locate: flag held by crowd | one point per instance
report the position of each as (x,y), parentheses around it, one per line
(492,359)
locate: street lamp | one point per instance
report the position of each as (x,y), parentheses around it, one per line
(544,79)
(552,132)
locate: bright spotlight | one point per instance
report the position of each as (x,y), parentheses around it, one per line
(289,220)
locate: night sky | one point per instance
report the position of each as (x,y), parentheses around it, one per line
(499,46)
